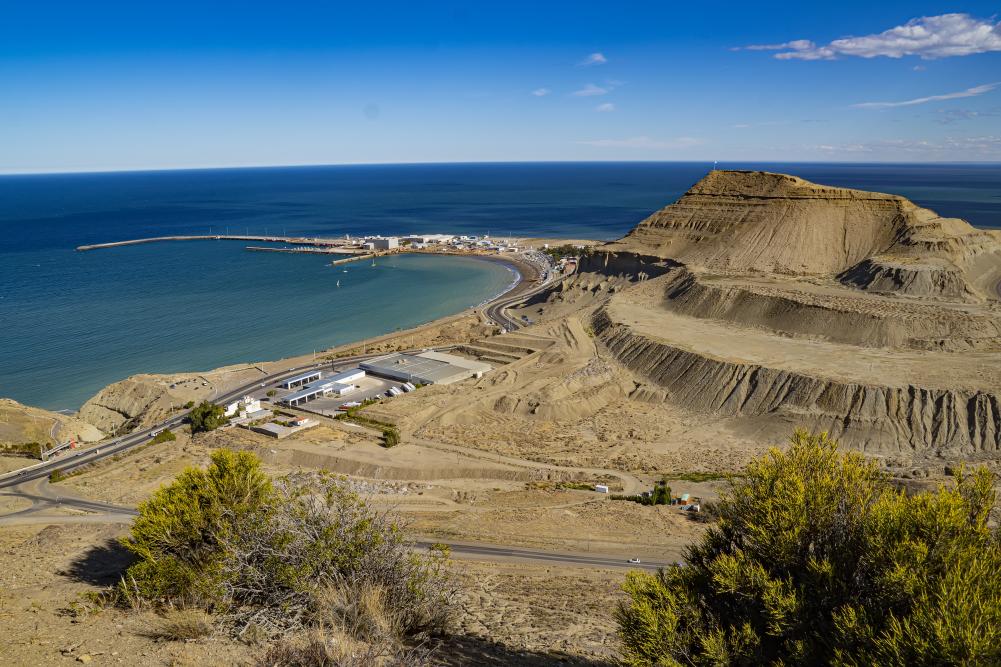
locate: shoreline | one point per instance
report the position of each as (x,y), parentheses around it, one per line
(525,275)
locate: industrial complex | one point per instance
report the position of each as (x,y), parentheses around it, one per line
(391,375)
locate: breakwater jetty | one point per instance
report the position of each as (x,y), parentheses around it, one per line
(218,237)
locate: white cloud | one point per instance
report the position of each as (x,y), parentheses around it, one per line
(541,92)
(643,143)
(927,37)
(596,58)
(590,90)
(606,107)
(796,44)
(969,92)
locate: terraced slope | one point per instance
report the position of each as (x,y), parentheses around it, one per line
(765,295)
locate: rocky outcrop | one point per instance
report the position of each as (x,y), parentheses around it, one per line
(872,417)
(936,278)
(137,401)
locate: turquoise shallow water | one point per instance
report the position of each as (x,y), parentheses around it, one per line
(73,322)
(183,306)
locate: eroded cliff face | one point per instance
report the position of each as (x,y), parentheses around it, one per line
(869,416)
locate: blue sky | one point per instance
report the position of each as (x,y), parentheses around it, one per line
(103,85)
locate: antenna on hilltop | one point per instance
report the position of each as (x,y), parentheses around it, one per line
(715,162)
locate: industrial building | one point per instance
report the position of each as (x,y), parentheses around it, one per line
(429,238)
(379,243)
(335,385)
(425,367)
(301,380)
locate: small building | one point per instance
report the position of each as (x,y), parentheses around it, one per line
(601,488)
(301,380)
(244,406)
(278,431)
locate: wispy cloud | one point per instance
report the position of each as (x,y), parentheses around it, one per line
(541,92)
(928,37)
(596,58)
(951,116)
(643,143)
(969,92)
(606,107)
(988,146)
(590,90)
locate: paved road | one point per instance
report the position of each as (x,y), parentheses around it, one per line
(495,311)
(118,445)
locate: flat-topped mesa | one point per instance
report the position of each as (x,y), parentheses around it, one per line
(760,222)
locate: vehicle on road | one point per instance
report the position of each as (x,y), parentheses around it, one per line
(635,561)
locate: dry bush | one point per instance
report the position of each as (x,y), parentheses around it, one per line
(329,647)
(182,625)
(320,540)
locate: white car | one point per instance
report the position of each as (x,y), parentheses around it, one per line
(635,561)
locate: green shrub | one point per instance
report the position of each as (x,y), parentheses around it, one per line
(57,476)
(181,533)
(817,559)
(390,436)
(189,405)
(283,556)
(206,417)
(31,450)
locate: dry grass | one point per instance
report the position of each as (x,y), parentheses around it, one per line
(182,625)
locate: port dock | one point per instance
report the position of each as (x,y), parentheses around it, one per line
(218,237)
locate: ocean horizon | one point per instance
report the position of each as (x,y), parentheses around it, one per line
(74,322)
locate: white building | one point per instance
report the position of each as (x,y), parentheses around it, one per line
(379,243)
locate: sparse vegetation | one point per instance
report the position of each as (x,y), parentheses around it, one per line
(390,434)
(189,405)
(31,450)
(817,559)
(182,625)
(698,476)
(568,250)
(165,435)
(271,393)
(57,476)
(301,555)
(206,417)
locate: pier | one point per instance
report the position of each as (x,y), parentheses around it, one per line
(218,237)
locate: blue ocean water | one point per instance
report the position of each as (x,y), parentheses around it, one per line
(72,322)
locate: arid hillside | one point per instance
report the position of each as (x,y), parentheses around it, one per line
(762,298)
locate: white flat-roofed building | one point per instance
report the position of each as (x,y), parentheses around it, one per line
(425,368)
(301,380)
(316,390)
(349,375)
(429,238)
(387,243)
